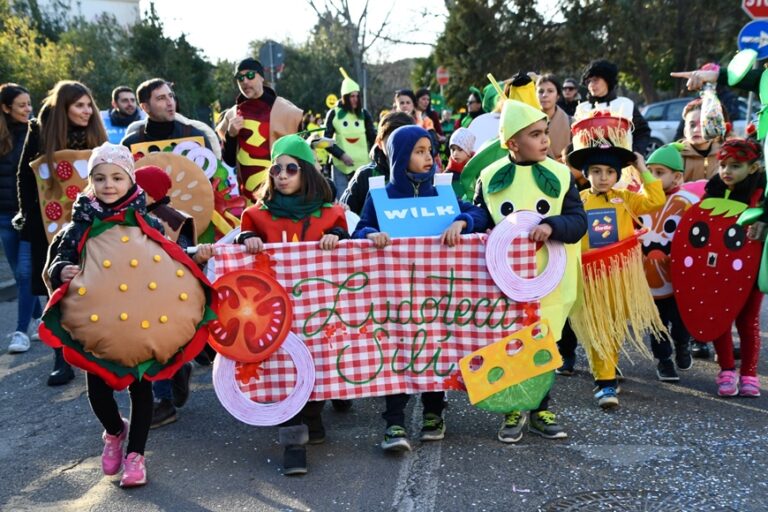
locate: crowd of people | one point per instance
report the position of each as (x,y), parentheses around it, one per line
(266,139)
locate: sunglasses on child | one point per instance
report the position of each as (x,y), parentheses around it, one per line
(250,75)
(290,170)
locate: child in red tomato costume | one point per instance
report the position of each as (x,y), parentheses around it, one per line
(295,205)
(712,254)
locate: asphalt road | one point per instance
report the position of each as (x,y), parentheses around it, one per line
(668,448)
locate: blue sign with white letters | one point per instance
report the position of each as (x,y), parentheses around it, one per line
(754,35)
(415,216)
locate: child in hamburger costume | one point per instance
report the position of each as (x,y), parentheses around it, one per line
(615,289)
(128,307)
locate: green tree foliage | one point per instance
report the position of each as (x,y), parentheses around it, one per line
(647,39)
(39,48)
(27,58)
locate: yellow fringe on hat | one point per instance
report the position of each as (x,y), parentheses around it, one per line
(616,294)
(599,137)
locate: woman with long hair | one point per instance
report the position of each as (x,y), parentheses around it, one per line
(16,104)
(69,119)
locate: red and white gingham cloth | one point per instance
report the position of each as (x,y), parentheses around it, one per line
(362,281)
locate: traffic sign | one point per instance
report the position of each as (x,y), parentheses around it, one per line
(754,35)
(755,8)
(442,75)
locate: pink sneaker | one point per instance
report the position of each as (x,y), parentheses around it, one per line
(112,456)
(727,383)
(134,471)
(749,386)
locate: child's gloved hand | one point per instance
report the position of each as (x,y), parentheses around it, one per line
(203,254)
(452,235)
(329,242)
(380,240)
(540,233)
(253,244)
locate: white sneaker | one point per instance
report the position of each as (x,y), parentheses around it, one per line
(34,328)
(19,343)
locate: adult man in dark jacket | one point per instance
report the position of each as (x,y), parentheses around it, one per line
(159,102)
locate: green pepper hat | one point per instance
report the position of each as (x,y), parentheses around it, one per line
(348,86)
(669,156)
(516,115)
(293,145)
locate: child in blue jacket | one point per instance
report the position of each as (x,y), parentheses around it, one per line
(412,170)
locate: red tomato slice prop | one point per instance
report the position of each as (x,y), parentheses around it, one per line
(714,267)
(255,316)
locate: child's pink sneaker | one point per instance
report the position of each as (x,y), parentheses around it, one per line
(134,471)
(749,386)
(112,456)
(727,383)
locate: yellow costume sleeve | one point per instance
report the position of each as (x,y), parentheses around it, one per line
(651,198)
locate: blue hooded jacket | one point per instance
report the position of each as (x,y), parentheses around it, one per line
(408,184)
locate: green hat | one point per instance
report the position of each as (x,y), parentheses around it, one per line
(348,86)
(668,156)
(516,115)
(293,145)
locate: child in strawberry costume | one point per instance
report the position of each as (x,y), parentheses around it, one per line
(712,254)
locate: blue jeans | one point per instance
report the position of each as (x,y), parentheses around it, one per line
(162,389)
(341,180)
(19,255)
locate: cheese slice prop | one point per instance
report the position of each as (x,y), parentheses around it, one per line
(514,373)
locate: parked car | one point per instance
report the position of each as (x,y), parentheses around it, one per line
(665,117)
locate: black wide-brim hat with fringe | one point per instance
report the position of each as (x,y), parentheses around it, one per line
(614,156)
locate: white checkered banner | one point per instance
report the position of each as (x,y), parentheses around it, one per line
(383,321)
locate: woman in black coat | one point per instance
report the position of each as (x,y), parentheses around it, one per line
(69,119)
(14,125)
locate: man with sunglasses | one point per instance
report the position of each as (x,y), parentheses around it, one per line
(570,97)
(249,129)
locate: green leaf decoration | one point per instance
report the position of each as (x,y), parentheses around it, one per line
(143,367)
(546,180)
(724,207)
(503,178)
(750,216)
(341,113)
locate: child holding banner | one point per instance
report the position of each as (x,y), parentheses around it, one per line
(412,170)
(295,205)
(526,179)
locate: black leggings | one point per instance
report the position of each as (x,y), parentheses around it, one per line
(104,406)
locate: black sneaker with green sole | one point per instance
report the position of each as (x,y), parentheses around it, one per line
(544,423)
(396,440)
(511,430)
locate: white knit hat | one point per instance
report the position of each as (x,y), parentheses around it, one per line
(463,138)
(112,154)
